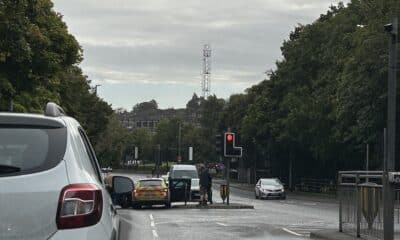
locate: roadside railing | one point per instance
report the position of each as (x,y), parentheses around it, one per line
(361,204)
(316,185)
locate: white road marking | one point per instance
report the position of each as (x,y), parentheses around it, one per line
(154,231)
(291,232)
(155,235)
(222,224)
(318,222)
(310,204)
(305,229)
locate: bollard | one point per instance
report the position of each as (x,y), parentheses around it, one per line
(370,202)
(223,190)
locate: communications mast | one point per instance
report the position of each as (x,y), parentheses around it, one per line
(206,81)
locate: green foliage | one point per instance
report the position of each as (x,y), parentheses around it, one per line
(77,100)
(143,139)
(327,97)
(145,106)
(194,103)
(38,64)
(110,149)
(34,47)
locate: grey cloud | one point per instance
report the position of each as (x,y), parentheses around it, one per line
(160,41)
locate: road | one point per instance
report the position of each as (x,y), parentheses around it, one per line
(290,219)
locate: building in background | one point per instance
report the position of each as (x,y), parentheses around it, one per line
(147,115)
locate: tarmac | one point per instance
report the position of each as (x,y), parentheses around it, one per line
(214,206)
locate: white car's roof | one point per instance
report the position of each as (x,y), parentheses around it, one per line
(151,179)
(184,167)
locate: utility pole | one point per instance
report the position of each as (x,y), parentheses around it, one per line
(389,164)
(290,172)
(367,159)
(157,159)
(228,179)
(179,143)
(11,109)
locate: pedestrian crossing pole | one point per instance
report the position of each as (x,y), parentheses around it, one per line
(228,179)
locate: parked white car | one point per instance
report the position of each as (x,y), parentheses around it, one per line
(51,186)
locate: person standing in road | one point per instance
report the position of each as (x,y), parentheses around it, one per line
(209,187)
(204,183)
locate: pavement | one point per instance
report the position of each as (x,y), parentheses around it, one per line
(332,235)
(336,235)
(290,219)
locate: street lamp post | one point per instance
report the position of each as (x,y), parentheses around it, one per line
(389,162)
(179,142)
(95,88)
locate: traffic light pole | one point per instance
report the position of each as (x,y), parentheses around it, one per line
(228,179)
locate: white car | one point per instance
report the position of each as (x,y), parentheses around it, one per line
(269,188)
(51,186)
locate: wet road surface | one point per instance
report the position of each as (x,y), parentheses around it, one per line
(290,219)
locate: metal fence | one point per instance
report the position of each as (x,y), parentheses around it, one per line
(361,204)
(326,186)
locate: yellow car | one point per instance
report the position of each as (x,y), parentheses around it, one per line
(151,191)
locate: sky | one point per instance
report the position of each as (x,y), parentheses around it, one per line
(139,50)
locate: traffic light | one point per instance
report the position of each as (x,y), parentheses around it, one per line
(218,144)
(230,149)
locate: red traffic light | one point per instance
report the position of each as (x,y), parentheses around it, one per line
(229,137)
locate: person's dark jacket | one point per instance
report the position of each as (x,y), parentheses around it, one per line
(205,179)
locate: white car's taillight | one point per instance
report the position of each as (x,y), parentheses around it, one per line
(80,205)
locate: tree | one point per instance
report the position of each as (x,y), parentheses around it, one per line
(142,139)
(92,112)
(34,47)
(326,98)
(38,64)
(145,106)
(114,141)
(194,103)
(167,137)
